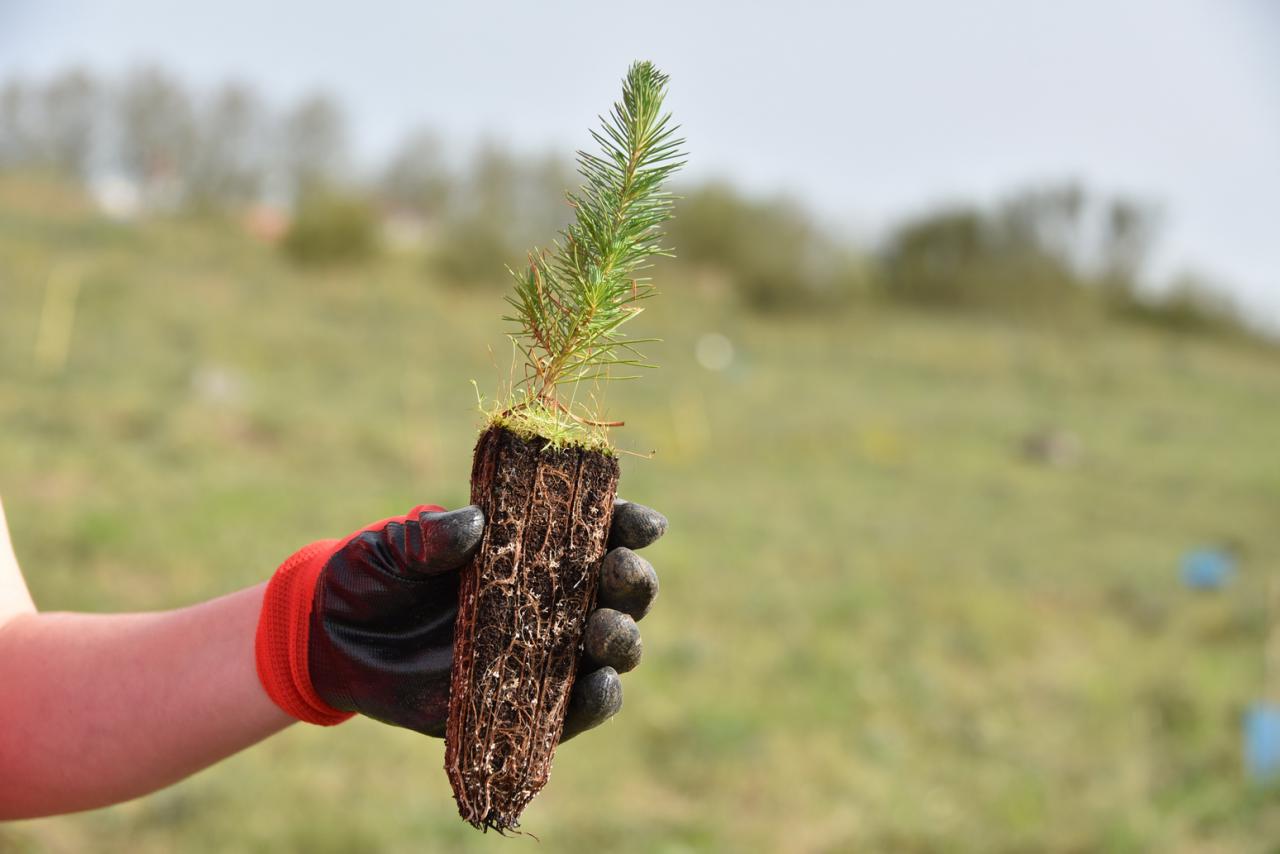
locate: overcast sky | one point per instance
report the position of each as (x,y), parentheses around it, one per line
(869,111)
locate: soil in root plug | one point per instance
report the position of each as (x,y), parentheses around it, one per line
(522,607)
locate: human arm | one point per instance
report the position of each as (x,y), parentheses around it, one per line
(96,709)
(100,708)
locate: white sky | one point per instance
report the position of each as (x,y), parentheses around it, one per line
(867,110)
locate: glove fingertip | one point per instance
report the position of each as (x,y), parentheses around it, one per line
(635,525)
(449,538)
(597,696)
(628,582)
(612,638)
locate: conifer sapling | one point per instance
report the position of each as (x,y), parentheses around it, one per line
(544,472)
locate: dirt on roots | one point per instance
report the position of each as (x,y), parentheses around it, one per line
(522,607)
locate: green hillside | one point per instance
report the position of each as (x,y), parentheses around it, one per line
(883,625)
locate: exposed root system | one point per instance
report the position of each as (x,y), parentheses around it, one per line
(522,609)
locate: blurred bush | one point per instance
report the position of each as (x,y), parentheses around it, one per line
(1190,304)
(1021,258)
(332,228)
(1049,252)
(472,253)
(772,251)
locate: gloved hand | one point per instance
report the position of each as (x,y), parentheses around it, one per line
(365,624)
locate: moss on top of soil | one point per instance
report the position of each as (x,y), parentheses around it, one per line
(535,421)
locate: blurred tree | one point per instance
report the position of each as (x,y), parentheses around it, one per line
(417,177)
(1046,221)
(313,147)
(477,238)
(1035,251)
(229,162)
(523,197)
(71,113)
(937,258)
(502,203)
(157,134)
(541,205)
(1129,229)
(491,183)
(16,143)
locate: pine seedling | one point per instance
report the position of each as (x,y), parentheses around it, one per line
(543,473)
(571,303)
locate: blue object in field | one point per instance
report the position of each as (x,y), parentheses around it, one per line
(1207,568)
(1262,742)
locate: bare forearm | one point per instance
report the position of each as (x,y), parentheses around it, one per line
(96,709)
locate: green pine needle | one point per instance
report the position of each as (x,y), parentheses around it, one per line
(571,304)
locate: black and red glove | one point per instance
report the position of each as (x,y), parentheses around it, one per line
(365,624)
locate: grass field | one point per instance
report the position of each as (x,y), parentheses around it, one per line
(881,626)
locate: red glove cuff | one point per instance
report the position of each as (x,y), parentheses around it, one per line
(284,628)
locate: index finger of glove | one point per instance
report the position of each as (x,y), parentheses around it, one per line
(445,539)
(635,526)
(429,540)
